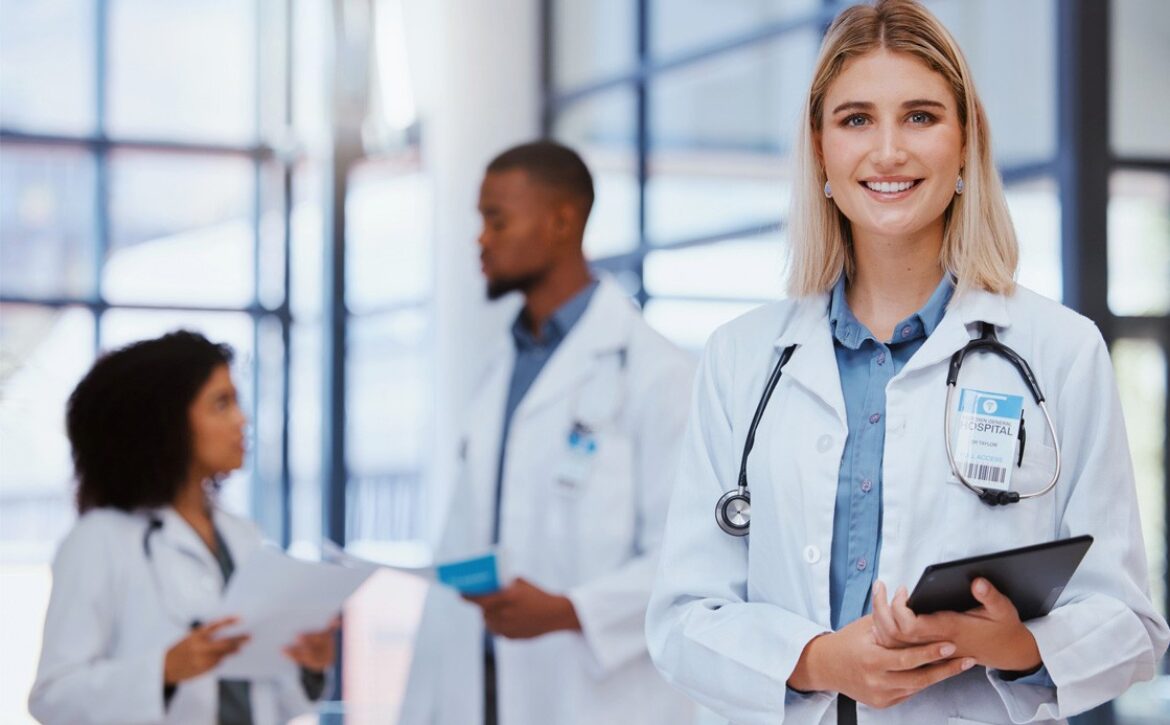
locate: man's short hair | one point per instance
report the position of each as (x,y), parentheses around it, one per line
(553,165)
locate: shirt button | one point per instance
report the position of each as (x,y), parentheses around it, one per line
(824,442)
(812,554)
(875,418)
(881,358)
(861,565)
(906,331)
(866,485)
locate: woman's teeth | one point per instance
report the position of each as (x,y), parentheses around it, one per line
(889,187)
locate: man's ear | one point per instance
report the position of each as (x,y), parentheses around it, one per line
(566,217)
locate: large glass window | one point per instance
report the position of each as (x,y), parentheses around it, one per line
(137,196)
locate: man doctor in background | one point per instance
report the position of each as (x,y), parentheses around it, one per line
(566,464)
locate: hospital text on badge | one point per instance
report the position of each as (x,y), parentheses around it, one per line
(986,436)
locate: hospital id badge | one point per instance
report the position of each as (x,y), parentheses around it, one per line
(986,437)
(577,463)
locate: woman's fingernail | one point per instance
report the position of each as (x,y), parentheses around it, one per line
(967,663)
(980,586)
(948,650)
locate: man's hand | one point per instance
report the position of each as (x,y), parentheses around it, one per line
(523,610)
(851,661)
(992,633)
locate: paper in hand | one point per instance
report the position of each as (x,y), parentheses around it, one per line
(278,598)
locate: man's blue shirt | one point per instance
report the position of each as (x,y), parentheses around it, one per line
(532,353)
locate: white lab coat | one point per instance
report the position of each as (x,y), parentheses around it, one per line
(595,541)
(729,617)
(114,612)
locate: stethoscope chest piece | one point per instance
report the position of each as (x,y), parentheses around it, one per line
(733,512)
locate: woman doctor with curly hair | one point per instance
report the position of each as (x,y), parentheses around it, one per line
(129,636)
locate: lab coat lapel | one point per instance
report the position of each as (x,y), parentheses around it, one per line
(602,329)
(813,365)
(237,535)
(953,331)
(180,536)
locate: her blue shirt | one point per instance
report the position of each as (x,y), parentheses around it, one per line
(866,366)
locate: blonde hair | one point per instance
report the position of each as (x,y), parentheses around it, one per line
(979,243)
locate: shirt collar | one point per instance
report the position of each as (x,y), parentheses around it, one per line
(558,324)
(848,331)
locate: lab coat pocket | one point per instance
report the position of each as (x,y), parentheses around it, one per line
(591,508)
(993,528)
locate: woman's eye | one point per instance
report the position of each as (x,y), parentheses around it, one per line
(921,117)
(854,120)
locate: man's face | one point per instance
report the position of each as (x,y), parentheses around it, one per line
(518,241)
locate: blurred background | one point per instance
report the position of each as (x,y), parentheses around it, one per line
(298,178)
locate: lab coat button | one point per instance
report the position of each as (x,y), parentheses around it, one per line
(824,442)
(812,554)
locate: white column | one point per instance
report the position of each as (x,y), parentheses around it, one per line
(477,74)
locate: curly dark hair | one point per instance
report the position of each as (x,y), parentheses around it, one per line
(127,420)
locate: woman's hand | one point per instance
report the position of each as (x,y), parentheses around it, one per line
(992,633)
(851,661)
(200,651)
(315,651)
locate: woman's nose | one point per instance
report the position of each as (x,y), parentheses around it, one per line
(888,150)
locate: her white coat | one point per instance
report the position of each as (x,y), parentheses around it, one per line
(594,540)
(114,612)
(729,617)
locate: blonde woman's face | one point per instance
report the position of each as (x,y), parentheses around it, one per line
(892,147)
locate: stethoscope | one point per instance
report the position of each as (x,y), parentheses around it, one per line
(733,511)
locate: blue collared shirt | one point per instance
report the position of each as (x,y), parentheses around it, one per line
(532,353)
(866,366)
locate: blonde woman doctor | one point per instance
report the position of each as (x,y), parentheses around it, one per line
(903,253)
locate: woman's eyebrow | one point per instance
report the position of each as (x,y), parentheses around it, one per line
(867,106)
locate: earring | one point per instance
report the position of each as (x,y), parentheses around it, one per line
(959,185)
(828,191)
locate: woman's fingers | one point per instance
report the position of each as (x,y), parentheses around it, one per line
(906,619)
(997,604)
(911,658)
(885,630)
(925,676)
(214,626)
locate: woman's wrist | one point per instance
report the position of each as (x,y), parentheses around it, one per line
(806,676)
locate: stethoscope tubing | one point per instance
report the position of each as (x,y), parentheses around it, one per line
(988,342)
(733,510)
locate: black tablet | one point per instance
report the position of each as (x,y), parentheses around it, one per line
(1032,577)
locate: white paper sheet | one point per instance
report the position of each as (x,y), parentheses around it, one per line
(464,574)
(278,598)
(410,561)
